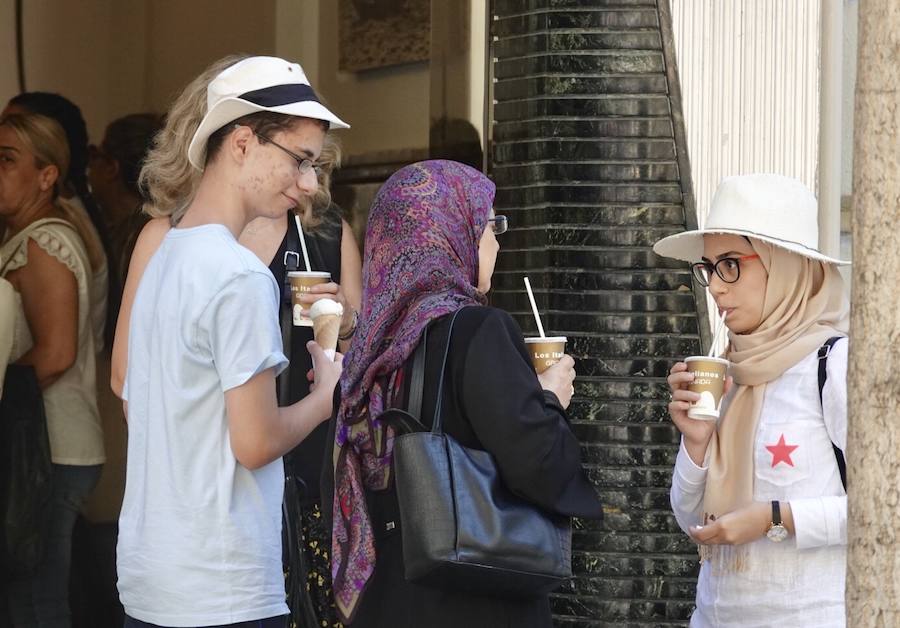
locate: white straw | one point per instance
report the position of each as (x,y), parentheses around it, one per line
(715,338)
(302,242)
(537,317)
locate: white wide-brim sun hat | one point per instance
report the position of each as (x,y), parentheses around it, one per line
(253,85)
(769,207)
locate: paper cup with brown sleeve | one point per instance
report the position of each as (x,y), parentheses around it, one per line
(709,383)
(545,352)
(301,282)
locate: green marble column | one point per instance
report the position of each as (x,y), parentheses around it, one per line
(589,161)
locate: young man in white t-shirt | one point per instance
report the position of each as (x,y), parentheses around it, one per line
(200,528)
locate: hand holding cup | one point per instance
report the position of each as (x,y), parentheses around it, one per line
(559,378)
(302,284)
(696,432)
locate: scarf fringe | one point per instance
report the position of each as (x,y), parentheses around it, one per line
(725,559)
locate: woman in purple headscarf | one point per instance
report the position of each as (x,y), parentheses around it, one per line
(430,250)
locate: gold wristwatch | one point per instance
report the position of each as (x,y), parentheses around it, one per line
(776,532)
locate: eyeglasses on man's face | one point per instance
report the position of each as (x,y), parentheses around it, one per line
(728,269)
(499,224)
(304,165)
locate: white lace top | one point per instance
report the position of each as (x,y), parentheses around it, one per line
(73,421)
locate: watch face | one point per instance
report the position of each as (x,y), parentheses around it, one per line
(777,533)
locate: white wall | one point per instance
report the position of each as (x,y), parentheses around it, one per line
(388,109)
(115,57)
(851,14)
(73,48)
(749,82)
(112,58)
(477,47)
(183,38)
(8,81)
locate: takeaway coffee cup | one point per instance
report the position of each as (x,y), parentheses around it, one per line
(545,352)
(302,281)
(709,382)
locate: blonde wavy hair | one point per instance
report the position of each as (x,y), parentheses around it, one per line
(318,209)
(167,178)
(46,140)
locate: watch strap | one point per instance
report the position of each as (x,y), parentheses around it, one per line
(776,513)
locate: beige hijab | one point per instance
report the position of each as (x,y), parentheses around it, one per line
(804,306)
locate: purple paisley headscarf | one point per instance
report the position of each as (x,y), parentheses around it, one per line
(421,263)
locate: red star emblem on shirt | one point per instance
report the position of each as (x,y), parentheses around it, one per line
(781,452)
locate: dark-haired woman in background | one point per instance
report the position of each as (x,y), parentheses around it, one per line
(114,166)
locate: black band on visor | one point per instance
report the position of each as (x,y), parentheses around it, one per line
(278,95)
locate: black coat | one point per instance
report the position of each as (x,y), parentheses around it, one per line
(492,401)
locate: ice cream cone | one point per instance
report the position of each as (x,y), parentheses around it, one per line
(325,330)
(326,315)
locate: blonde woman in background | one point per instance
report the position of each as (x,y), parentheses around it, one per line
(55,262)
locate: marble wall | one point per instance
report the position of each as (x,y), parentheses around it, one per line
(587,156)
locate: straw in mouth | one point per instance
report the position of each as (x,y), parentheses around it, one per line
(715,338)
(537,317)
(302,242)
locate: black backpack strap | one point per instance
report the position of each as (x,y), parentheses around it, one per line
(824,350)
(286,320)
(292,259)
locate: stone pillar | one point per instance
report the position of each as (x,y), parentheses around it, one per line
(590,164)
(873,438)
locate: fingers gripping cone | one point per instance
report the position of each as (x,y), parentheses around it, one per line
(326,315)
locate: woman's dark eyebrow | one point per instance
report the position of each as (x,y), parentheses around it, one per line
(12,148)
(728,254)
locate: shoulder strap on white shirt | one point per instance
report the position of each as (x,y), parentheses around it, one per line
(824,350)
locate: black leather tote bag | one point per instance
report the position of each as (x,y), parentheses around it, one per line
(460,526)
(26,473)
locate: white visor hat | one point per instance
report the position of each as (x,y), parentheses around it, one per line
(253,85)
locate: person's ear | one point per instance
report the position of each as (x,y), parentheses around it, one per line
(239,141)
(115,169)
(47,177)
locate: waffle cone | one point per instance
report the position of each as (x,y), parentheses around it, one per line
(326,328)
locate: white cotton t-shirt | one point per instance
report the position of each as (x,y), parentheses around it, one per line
(199,534)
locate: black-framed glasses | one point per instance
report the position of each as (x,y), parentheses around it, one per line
(499,224)
(304,165)
(728,269)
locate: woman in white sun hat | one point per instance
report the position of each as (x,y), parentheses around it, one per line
(762,491)
(200,527)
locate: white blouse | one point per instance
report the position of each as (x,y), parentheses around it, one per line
(799,582)
(70,403)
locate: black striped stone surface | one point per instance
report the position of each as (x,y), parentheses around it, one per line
(591,172)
